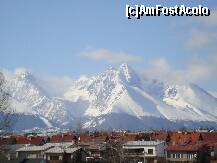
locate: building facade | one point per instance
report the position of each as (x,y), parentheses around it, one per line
(144,151)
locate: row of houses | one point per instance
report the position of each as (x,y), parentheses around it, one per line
(158,151)
(55,153)
(125,147)
(172,147)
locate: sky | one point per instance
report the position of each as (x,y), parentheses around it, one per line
(73,38)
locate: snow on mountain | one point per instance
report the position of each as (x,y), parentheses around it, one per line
(194,100)
(29,98)
(123,91)
(213,94)
(110,92)
(115,98)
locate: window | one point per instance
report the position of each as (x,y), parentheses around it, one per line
(150,151)
(54,157)
(177,155)
(190,155)
(31,156)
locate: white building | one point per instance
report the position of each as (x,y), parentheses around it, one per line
(144,151)
(31,152)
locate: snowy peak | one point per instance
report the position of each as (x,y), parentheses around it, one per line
(28,98)
(23,73)
(126,70)
(128,75)
(117,92)
(122,90)
(114,91)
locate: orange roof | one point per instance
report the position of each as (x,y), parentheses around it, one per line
(184,137)
(65,137)
(100,138)
(37,140)
(21,140)
(56,138)
(68,137)
(185,148)
(85,138)
(161,135)
(209,136)
(210,143)
(117,134)
(129,137)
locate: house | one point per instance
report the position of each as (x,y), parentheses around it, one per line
(8,153)
(211,150)
(42,152)
(95,152)
(210,140)
(11,152)
(189,153)
(61,154)
(32,152)
(144,151)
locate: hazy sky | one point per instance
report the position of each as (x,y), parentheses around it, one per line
(71,38)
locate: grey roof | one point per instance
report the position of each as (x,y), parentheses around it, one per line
(143,143)
(33,148)
(14,147)
(44,147)
(65,144)
(62,150)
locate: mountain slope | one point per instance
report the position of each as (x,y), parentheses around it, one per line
(116,98)
(29,99)
(123,91)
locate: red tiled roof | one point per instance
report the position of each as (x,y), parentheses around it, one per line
(56,138)
(100,138)
(65,137)
(184,137)
(210,143)
(68,137)
(117,134)
(161,135)
(36,140)
(129,137)
(185,148)
(85,138)
(21,140)
(209,136)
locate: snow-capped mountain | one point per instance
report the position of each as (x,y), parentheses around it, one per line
(117,98)
(28,98)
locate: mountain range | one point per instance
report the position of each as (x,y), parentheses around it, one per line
(117,98)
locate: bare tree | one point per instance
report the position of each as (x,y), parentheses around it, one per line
(6,112)
(114,153)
